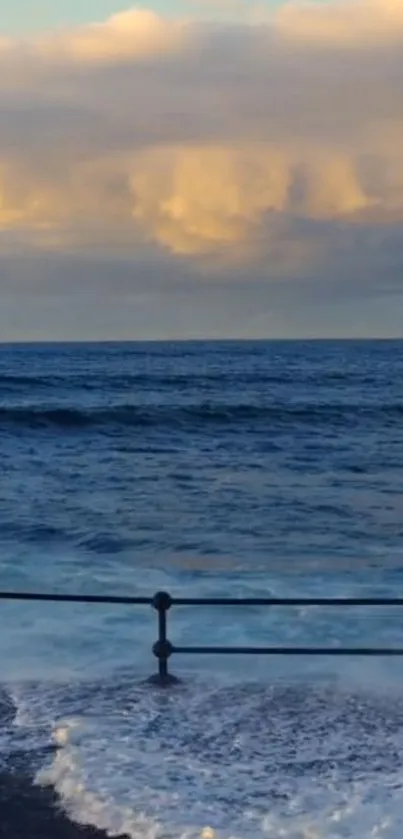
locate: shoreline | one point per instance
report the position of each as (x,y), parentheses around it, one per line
(30,810)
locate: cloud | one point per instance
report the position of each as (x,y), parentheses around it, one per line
(214,144)
(132,34)
(342,23)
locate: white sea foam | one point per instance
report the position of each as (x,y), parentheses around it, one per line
(358,812)
(245,762)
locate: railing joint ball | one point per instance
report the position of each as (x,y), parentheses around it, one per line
(162,601)
(163,650)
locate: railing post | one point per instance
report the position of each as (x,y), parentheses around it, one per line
(162,649)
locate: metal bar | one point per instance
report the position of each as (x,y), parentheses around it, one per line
(203,601)
(162,640)
(332,651)
(287,601)
(76,598)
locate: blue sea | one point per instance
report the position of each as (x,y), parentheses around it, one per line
(204,469)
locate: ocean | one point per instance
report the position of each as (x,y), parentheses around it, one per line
(204,469)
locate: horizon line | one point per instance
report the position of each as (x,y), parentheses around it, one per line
(196,340)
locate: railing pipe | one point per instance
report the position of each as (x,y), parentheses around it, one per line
(121,600)
(327,651)
(162,603)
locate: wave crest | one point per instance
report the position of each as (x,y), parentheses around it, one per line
(204,413)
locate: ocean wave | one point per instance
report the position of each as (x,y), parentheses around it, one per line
(147,379)
(71,417)
(33,417)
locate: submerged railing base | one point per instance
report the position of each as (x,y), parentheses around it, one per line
(162,602)
(167,681)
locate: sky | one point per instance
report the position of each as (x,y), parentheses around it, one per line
(21,16)
(18,16)
(201,169)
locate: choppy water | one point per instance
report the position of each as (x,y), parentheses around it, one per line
(233,468)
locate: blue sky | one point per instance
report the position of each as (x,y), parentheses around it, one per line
(29,15)
(22,15)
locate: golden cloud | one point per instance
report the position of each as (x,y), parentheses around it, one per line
(199,138)
(342,23)
(130,34)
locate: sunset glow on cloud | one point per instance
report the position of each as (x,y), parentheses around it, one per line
(208,143)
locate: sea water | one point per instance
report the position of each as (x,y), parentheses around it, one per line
(205,469)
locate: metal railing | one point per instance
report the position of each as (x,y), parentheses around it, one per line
(162,602)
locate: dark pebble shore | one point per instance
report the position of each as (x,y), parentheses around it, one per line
(32,812)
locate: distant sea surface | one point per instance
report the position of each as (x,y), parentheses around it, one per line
(231,468)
